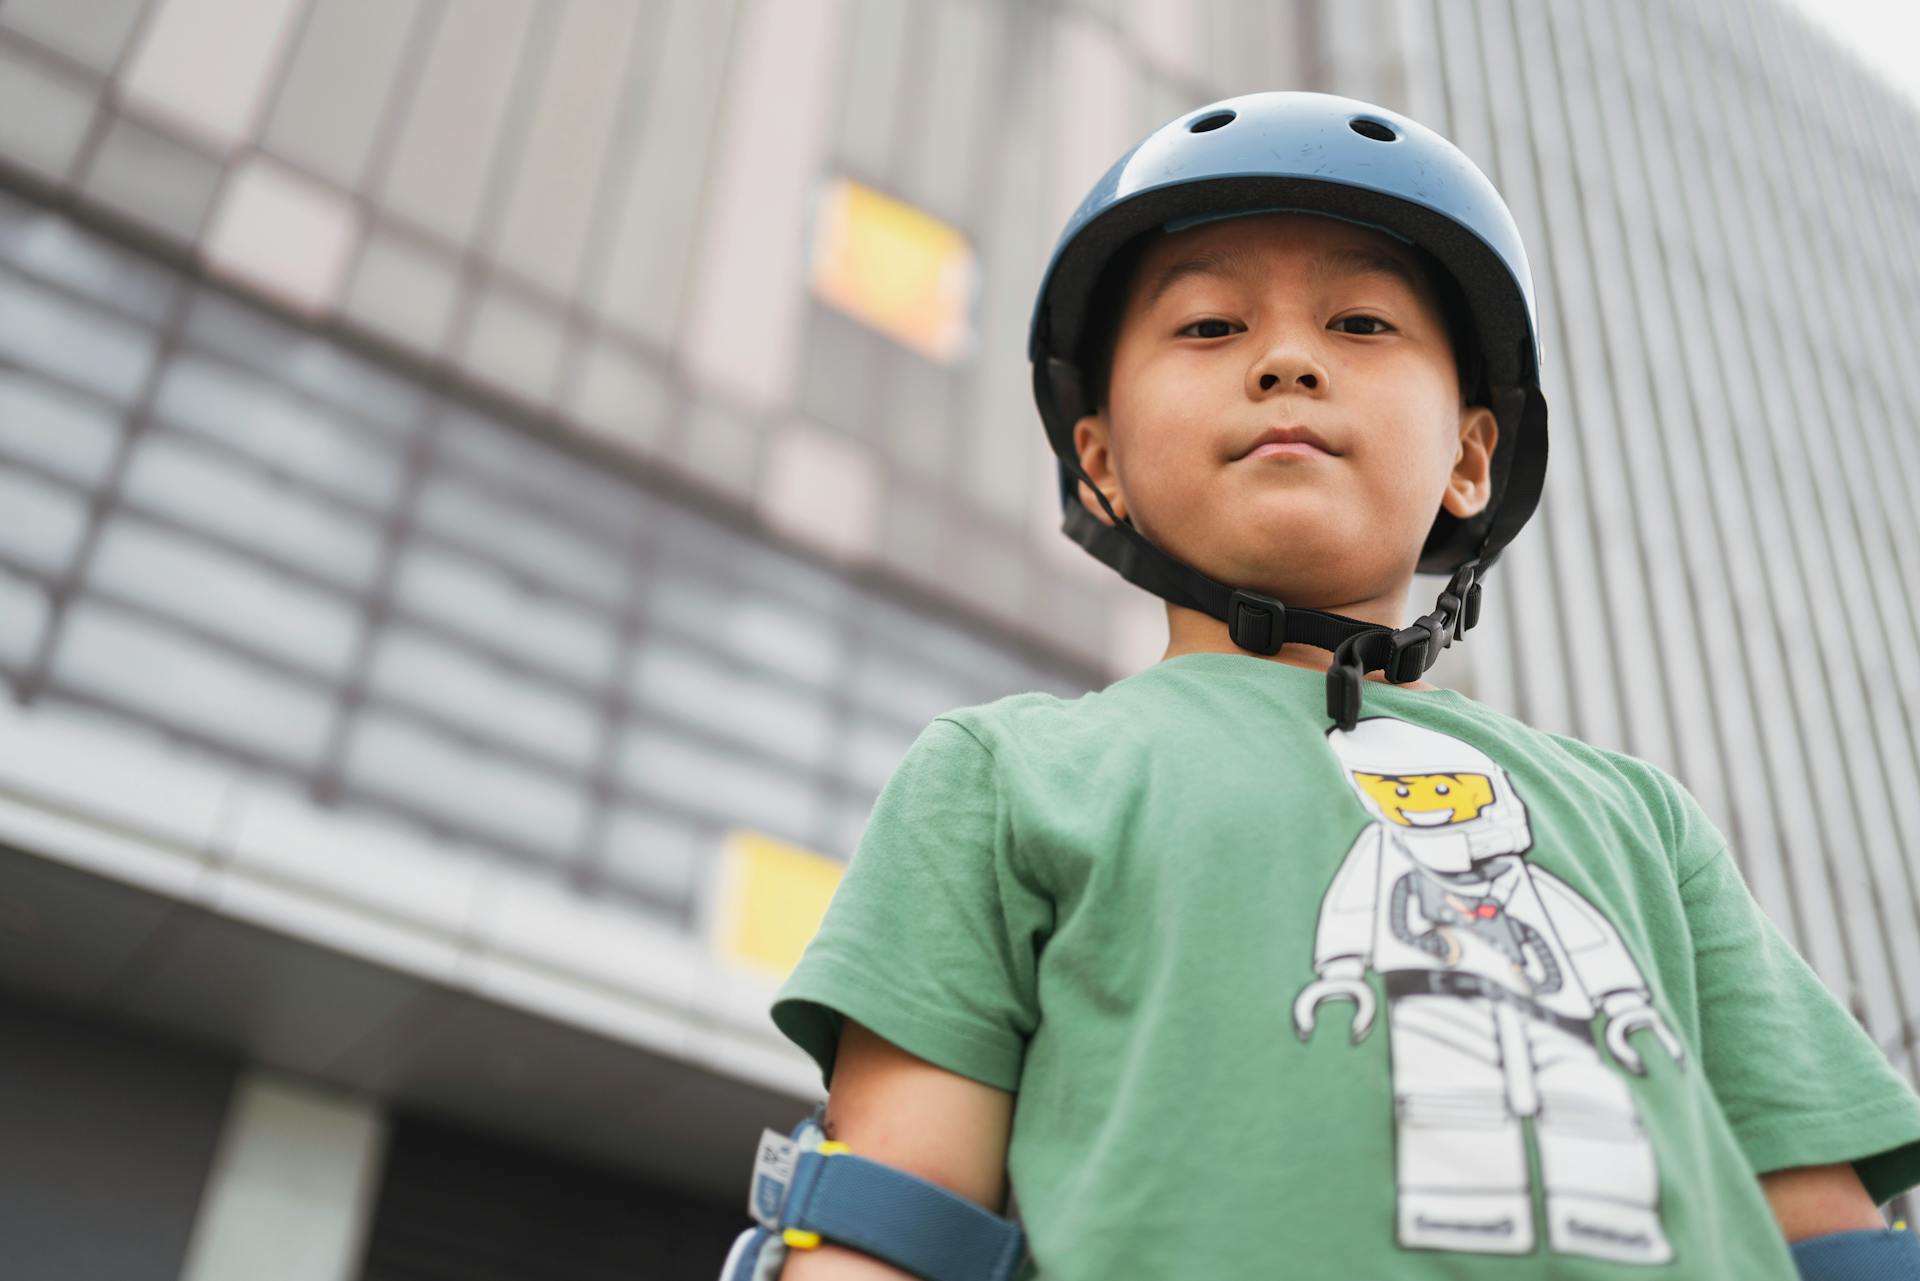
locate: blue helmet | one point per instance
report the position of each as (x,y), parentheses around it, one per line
(1309,153)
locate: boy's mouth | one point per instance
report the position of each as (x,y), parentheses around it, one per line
(1285,442)
(1299,449)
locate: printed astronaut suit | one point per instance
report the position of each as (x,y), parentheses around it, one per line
(1493,969)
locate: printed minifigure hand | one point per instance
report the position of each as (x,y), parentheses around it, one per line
(1443,943)
(1340,980)
(1627,1012)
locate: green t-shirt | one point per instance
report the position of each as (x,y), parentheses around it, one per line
(1160,911)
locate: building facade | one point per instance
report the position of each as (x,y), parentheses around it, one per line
(488,490)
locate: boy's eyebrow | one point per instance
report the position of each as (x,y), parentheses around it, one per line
(1334,264)
(1220,262)
(1365,262)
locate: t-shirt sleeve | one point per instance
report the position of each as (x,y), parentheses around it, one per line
(1798,1077)
(933,935)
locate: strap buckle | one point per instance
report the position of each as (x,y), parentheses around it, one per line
(1411,651)
(1256,622)
(1416,647)
(1345,673)
(1461,601)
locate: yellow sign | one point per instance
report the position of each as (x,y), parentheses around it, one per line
(894,267)
(771,899)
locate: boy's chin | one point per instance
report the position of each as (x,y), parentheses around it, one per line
(1314,574)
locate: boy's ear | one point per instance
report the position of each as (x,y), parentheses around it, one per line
(1470,486)
(1093,442)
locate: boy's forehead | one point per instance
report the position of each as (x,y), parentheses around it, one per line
(1248,244)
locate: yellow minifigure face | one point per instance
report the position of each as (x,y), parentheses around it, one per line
(1428,800)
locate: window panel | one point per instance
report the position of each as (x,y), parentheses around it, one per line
(725,702)
(909,694)
(794,578)
(483,696)
(764,630)
(224,593)
(264,420)
(207,492)
(551,554)
(776,634)
(728,787)
(42,330)
(43,523)
(848,825)
(183,683)
(55,429)
(873,750)
(24,608)
(289,353)
(51,247)
(653,853)
(518,463)
(482,793)
(488,605)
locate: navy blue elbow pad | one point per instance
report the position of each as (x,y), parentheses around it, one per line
(1870,1254)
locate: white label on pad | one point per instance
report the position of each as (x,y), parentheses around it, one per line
(772,1171)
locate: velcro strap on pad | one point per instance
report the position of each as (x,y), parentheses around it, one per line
(900,1218)
(1867,1254)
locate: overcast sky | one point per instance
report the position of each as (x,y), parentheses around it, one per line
(1885,33)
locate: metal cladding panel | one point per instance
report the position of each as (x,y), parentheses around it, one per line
(104,1125)
(457,1206)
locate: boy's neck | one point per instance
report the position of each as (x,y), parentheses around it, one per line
(1191,632)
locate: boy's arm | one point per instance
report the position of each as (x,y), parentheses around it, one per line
(1812,1200)
(894,1107)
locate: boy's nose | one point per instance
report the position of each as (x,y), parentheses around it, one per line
(1306,380)
(1289,367)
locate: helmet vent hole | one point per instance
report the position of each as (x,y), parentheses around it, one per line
(1206,124)
(1372,129)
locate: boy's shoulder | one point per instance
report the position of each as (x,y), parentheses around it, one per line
(1687,830)
(1022,716)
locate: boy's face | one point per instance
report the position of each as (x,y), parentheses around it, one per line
(1287,321)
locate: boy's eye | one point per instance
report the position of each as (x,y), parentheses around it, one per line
(1220,328)
(1379,326)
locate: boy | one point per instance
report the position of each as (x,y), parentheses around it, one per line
(1233,970)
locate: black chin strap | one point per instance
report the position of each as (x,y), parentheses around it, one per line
(1262,624)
